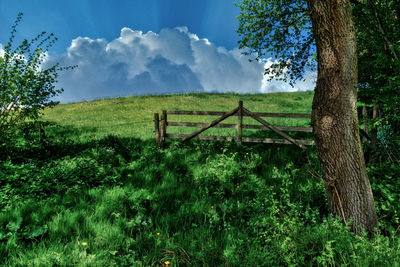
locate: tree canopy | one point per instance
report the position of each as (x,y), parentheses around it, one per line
(378,41)
(282,30)
(278,29)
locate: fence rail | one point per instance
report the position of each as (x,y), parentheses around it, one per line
(245,126)
(221,113)
(240,112)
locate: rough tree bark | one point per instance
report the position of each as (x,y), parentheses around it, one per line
(334,115)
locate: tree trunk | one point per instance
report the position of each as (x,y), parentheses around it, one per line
(334,115)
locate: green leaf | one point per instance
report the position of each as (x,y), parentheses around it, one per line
(13,226)
(35,232)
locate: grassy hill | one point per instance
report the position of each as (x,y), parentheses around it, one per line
(98,192)
(133,116)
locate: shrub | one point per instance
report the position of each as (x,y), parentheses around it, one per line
(26,87)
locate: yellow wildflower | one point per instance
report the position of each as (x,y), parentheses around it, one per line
(167,263)
(84,244)
(158,233)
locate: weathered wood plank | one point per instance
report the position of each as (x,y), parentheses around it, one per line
(283,115)
(221,113)
(157,128)
(277,141)
(244,139)
(240,122)
(189,112)
(163,125)
(245,126)
(199,124)
(203,137)
(263,122)
(226,115)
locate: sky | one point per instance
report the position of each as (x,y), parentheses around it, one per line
(139,47)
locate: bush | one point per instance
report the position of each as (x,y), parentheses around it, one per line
(26,87)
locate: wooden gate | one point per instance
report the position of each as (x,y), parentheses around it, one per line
(240,112)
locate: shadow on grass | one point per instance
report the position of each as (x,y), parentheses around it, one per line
(199,197)
(27,145)
(63,161)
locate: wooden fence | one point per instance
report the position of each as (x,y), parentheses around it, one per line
(240,112)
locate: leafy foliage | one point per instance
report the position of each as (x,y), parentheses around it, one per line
(281,29)
(123,202)
(26,87)
(378,40)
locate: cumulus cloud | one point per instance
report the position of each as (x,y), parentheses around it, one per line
(172,61)
(272,86)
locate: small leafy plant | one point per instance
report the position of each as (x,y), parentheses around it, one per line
(26,87)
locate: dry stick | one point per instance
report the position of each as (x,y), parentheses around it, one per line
(42,133)
(313,172)
(263,122)
(395,232)
(317,176)
(340,204)
(226,115)
(332,183)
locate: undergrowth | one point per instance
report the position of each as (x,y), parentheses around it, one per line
(118,201)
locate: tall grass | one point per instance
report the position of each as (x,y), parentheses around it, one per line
(98,192)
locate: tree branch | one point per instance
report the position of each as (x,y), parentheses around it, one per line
(380,26)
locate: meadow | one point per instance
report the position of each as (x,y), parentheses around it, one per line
(99,192)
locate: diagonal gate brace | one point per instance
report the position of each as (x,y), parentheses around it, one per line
(211,124)
(266,124)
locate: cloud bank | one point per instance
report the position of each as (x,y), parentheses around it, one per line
(173,61)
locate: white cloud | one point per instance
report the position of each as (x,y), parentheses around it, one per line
(172,61)
(272,86)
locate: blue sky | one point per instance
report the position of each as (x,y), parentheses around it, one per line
(134,47)
(68,19)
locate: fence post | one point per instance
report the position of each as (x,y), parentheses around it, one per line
(374,131)
(157,128)
(365,117)
(240,122)
(163,126)
(42,133)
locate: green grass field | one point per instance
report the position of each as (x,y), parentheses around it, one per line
(98,192)
(133,116)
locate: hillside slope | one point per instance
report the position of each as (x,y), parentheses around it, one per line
(133,116)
